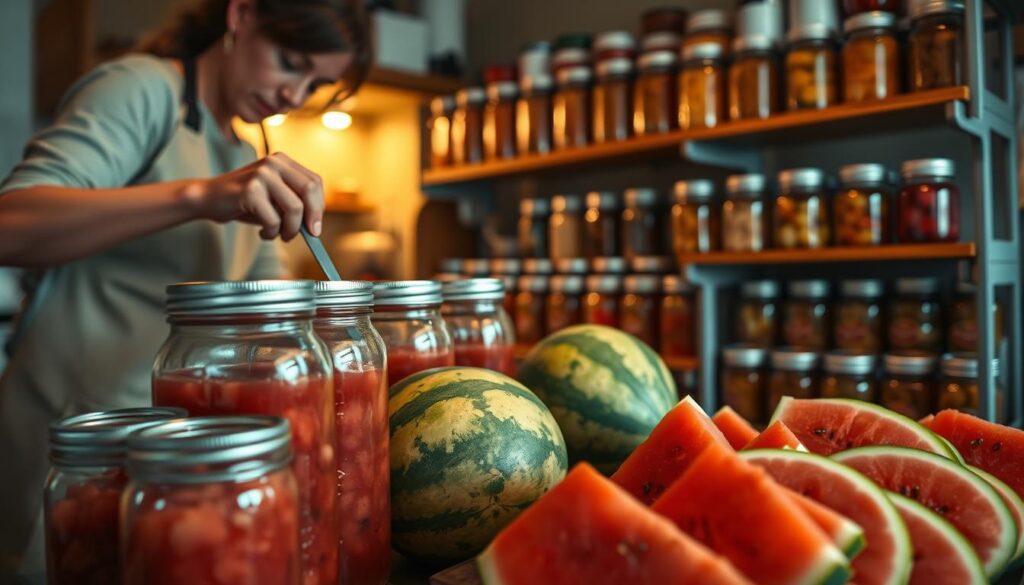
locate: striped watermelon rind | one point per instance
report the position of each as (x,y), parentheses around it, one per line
(606,388)
(1012,500)
(965,552)
(470,449)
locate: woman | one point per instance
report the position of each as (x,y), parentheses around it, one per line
(141,183)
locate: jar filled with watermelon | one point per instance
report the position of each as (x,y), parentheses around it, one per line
(481,330)
(641,301)
(213,500)
(794,373)
(249,348)
(929,202)
(677,318)
(359,358)
(744,381)
(915,315)
(407,313)
(531,301)
(602,299)
(563,301)
(850,374)
(83,490)
(909,383)
(960,386)
(808,317)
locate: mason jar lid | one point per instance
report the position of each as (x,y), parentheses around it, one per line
(694,190)
(209,449)
(614,40)
(534,207)
(604,200)
(537,83)
(506,266)
(811,31)
(966,288)
(343,293)
(743,355)
(801,178)
(675,284)
(753,43)
(656,59)
(244,297)
(642,284)
(608,264)
(641,197)
(442,105)
(566,203)
(476,267)
(537,283)
(567,283)
(809,289)
(964,365)
(452,265)
(864,20)
(709,19)
(97,439)
(604,283)
(571,265)
(576,74)
(497,90)
(471,96)
(919,8)
(700,51)
(910,362)
(917,286)
(863,173)
(537,266)
(840,361)
(473,289)
(662,40)
(748,184)
(928,167)
(868,288)
(760,289)
(406,293)
(618,66)
(651,264)
(572,56)
(791,358)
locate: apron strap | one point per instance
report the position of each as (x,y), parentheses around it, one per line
(190,96)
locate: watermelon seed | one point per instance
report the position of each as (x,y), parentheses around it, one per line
(997,446)
(912,492)
(977,443)
(820,432)
(647,488)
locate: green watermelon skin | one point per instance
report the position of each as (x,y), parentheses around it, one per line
(470,449)
(606,389)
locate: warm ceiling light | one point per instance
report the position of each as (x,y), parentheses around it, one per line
(275,120)
(336,120)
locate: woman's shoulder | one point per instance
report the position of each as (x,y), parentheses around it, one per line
(131,79)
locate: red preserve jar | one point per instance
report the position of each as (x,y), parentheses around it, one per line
(638,313)
(929,206)
(212,500)
(83,491)
(407,313)
(601,301)
(507,269)
(530,307)
(361,429)
(677,320)
(249,348)
(563,303)
(481,329)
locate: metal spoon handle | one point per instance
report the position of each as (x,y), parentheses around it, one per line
(320,254)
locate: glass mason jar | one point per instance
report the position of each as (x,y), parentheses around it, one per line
(613,100)
(753,79)
(507,269)
(533,227)
(566,227)
(655,99)
(711,25)
(359,358)
(929,204)
(641,224)
(609,265)
(915,315)
(811,69)
(601,301)
(871,57)
(963,319)
(638,314)
(909,384)
(563,302)
(530,316)
(757,320)
(249,348)
(807,319)
(572,266)
(936,47)
(861,207)
(81,499)
(476,267)
(744,381)
(794,373)
(481,330)
(614,44)
(850,374)
(695,217)
(601,224)
(500,119)
(744,217)
(801,218)
(212,500)
(702,87)
(439,125)
(534,113)
(468,126)
(571,50)
(678,318)
(959,387)
(571,107)
(858,322)
(651,265)
(407,313)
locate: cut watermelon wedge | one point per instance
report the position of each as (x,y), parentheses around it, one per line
(736,510)
(776,436)
(1013,502)
(886,558)
(942,556)
(992,447)
(967,501)
(736,429)
(844,532)
(829,425)
(673,444)
(587,530)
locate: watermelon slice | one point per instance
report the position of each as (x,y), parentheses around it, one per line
(844,532)
(776,436)
(587,530)
(829,425)
(968,502)
(1013,502)
(737,510)
(942,556)
(736,429)
(886,558)
(673,444)
(992,447)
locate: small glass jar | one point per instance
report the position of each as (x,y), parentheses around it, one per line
(212,500)
(571,107)
(753,79)
(81,499)
(656,98)
(563,303)
(407,313)
(534,59)
(929,205)
(601,301)
(533,227)
(915,315)
(757,320)
(711,25)
(481,330)
(807,322)
(641,225)
(468,126)
(871,57)
(439,125)
(651,265)
(566,227)
(702,87)
(531,305)
(963,319)
(476,267)
(744,381)
(858,322)
(678,318)
(858,6)
(801,218)
(614,44)
(909,384)
(609,265)
(572,266)
(794,373)
(507,269)
(959,387)
(850,374)
(571,50)
(639,315)
(861,207)
(500,114)
(811,69)
(936,46)
(534,115)
(695,217)
(613,100)
(744,216)
(601,224)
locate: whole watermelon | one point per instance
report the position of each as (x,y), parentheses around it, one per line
(607,390)
(470,449)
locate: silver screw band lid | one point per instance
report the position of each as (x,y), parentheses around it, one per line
(246,297)
(343,294)
(473,289)
(98,439)
(406,293)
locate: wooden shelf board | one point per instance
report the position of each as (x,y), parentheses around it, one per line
(687,364)
(892,252)
(426,85)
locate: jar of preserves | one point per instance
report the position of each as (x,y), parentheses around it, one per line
(808,319)
(744,381)
(963,319)
(850,374)
(572,266)
(960,387)
(407,313)
(858,324)
(571,50)
(678,318)
(915,315)
(534,115)
(500,113)
(542,266)
(534,59)
(929,206)
(801,215)
(249,348)
(481,330)
(936,47)
(531,301)
(608,265)
(614,44)
(476,267)
(695,222)
(533,227)
(641,229)
(744,217)
(651,264)
(212,500)
(601,224)
(753,79)
(638,314)
(468,126)
(82,494)
(702,87)
(563,302)
(794,373)
(758,320)
(571,107)
(601,301)
(613,100)
(655,100)
(811,68)
(507,269)
(861,208)
(439,125)
(857,6)
(871,57)
(909,384)
(566,227)
(710,25)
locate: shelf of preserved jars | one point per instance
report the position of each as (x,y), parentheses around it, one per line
(892,252)
(676,364)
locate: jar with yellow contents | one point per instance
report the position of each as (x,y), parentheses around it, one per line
(656,98)
(811,68)
(695,220)
(861,207)
(794,373)
(936,46)
(758,313)
(909,383)
(702,87)
(858,322)
(801,218)
(744,381)
(849,374)
(753,79)
(871,57)
(960,387)
(807,315)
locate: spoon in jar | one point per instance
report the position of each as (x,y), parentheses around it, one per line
(320,254)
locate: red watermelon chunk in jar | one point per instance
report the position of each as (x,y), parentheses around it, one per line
(82,531)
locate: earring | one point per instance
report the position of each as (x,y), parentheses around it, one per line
(229,42)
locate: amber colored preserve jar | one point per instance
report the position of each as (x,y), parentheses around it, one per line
(571,108)
(811,82)
(639,313)
(702,87)
(613,100)
(695,217)
(871,57)
(656,96)
(678,318)
(531,302)
(744,380)
(753,79)
(601,301)
(468,126)
(563,301)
